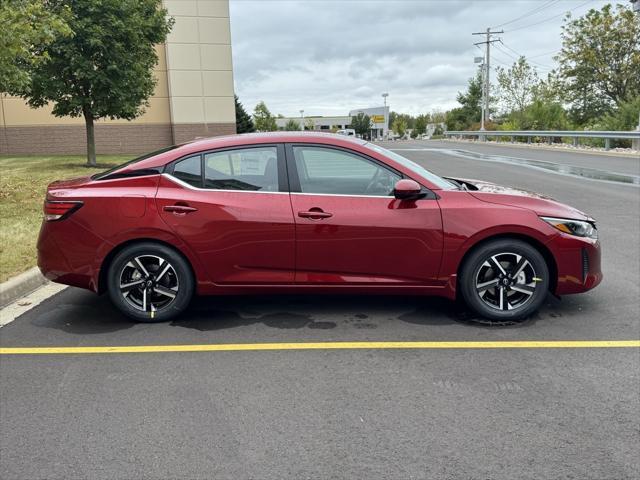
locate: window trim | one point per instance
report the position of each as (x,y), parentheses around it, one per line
(283,180)
(294,179)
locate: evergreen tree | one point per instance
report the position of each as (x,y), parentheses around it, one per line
(244,124)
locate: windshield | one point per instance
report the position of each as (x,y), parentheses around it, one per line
(98,176)
(432,177)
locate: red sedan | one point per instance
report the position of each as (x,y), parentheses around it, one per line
(296,212)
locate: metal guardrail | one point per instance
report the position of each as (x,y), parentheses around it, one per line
(549,135)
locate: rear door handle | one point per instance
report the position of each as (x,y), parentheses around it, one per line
(179,209)
(314,214)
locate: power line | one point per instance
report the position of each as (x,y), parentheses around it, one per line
(538,67)
(521,55)
(549,18)
(498,59)
(545,54)
(538,9)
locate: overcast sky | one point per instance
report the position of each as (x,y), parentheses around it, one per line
(328,57)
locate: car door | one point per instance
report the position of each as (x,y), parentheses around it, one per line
(232,208)
(350,229)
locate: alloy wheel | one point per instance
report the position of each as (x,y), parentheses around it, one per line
(148,283)
(506,281)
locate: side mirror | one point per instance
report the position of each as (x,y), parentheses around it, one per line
(407,189)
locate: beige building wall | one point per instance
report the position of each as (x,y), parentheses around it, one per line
(199,68)
(193,96)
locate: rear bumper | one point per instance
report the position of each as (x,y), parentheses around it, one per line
(579,263)
(66,255)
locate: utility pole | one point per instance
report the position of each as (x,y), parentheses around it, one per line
(302,120)
(487,72)
(386,117)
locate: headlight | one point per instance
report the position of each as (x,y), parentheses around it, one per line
(579,228)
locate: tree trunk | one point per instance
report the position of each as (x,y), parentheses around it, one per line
(91,139)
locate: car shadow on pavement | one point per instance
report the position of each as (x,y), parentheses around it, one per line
(78,312)
(327,312)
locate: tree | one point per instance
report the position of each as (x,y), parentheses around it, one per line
(517,84)
(361,123)
(28,26)
(105,69)
(437,116)
(309,124)
(292,125)
(244,124)
(421,124)
(540,115)
(264,121)
(625,116)
(600,60)
(463,117)
(399,126)
(408,119)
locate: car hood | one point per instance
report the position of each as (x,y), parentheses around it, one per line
(502,195)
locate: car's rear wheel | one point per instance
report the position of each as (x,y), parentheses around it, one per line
(150,282)
(504,280)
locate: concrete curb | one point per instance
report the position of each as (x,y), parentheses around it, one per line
(21,285)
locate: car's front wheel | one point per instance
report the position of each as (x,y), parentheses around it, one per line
(504,280)
(150,282)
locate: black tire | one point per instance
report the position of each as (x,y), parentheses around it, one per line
(494,262)
(152,276)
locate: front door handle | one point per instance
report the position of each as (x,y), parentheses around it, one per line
(179,209)
(315,214)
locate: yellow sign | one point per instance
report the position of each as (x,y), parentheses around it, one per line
(377,118)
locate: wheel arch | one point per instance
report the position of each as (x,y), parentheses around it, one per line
(106,262)
(541,247)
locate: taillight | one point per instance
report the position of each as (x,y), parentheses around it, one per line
(55,210)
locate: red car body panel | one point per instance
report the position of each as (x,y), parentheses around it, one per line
(244,241)
(240,237)
(341,249)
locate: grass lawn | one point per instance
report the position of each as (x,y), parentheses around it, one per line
(23,182)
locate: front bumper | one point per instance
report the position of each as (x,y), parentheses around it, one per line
(578,261)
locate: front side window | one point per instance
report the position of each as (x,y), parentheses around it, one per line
(253,169)
(432,177)
(189,171)
(330,171)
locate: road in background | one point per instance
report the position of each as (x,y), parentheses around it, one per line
(499,414)
(620,163)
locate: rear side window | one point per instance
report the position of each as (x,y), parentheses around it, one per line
(189,170)
(252,169)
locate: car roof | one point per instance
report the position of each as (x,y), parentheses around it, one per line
(268,137)
(212,143)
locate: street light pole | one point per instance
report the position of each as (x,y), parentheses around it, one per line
(386,117)
(302,120)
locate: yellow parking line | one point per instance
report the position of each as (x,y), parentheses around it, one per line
(322,346)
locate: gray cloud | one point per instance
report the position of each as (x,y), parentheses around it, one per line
(328,57)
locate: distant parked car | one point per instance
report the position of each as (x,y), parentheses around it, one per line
(349,132)
(302,212)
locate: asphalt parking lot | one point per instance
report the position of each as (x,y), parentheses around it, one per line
(469,413)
